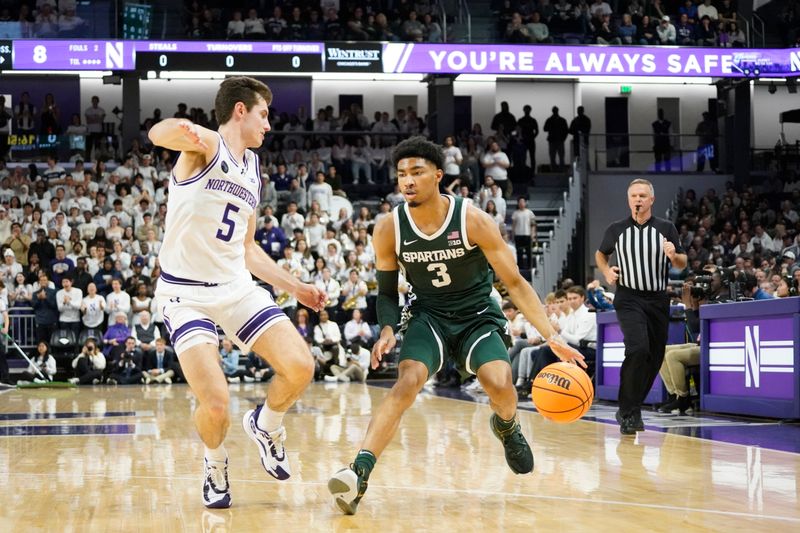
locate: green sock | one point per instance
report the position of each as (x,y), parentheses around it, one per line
(364,463)
(504,425)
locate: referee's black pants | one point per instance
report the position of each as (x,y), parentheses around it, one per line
(644,320)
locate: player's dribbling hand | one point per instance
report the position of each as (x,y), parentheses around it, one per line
(612,275)
(385,344)
(565,352)
(192,133)
(311,296)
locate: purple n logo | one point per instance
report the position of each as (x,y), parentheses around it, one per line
(752,357)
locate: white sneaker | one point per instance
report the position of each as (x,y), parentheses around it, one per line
(270,446)
(216,490)
(331,379)
(168,380)
(248,379)
(233,380)
(39,380)
(475,386)
(74,381)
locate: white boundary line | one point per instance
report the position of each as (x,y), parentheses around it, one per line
(475,492)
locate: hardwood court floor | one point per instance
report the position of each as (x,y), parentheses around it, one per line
(127,459)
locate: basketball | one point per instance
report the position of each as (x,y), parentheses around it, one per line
(562,392)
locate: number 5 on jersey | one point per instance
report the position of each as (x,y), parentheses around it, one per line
(440,269)
(230,224)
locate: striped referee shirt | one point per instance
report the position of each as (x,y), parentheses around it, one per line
(643,265)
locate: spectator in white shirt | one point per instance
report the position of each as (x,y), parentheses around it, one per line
(117,301)
(356,328)
(321,192)
(69,300)
(254,26)
(706,9)
(93,308)
(236,26)
(452,160)
(495,163)
(292,220)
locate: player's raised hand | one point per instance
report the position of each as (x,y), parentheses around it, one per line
(384,345)
(565,352)
(191,132)
(311,296)
(612,275)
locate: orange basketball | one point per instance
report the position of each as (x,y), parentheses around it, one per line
(562,392)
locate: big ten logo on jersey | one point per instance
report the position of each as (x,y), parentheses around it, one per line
(224,167)
(454,238)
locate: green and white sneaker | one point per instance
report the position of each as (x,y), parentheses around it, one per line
(518,453)
(347,488)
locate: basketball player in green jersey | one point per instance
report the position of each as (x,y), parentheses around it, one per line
(445,247)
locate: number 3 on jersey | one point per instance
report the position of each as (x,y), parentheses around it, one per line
(443,278)
(231,224)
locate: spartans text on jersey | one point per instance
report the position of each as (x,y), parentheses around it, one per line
(432,255)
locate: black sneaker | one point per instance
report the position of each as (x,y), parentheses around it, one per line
(347,486)
(638,423)
(670,399)
(626,424)
(667,407)
(683,404)
(518,453)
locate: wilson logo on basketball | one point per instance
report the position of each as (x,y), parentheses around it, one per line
(555,379)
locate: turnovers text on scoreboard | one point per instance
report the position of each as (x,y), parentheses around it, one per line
(381,57)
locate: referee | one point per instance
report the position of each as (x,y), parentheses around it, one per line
(645,245)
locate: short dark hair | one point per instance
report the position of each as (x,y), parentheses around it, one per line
(577,289)
(419,147)
(239,89)
(560,293)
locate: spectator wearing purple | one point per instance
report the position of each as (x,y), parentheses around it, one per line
(61,266)
(684,31)
(281,179)
(114,338)
(272,239)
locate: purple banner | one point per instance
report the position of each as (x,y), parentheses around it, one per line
(613,354)
(753,357)
(121,55)
(589,60)
(427,58)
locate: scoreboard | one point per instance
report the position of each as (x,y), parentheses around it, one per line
(54,54)
(244,62)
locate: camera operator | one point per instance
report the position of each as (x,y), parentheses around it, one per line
(128,368)
(678,356)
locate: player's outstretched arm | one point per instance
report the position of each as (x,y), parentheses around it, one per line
(264,268)
(483,232)
(185,136)
(387,267)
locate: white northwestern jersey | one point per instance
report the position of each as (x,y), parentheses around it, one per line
(207,217)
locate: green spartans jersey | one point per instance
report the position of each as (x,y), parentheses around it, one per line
(448,276)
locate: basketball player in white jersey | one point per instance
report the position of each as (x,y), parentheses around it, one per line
(207,257)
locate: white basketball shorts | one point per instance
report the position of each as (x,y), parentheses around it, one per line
(193,309)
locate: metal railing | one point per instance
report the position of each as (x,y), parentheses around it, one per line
(22,327)
(465,18)
(443,17)
(760,29)
(554,253)
(635,151)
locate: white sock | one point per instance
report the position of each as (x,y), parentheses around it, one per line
(217,454)
(269,420)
